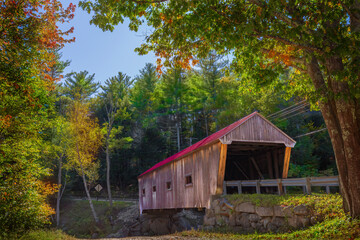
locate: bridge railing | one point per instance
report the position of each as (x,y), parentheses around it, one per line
(281,184)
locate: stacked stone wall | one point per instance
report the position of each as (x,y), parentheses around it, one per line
(247,217)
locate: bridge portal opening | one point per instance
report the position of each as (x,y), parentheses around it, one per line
(253,161)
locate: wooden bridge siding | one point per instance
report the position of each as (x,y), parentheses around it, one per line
(257,129)
(203,166)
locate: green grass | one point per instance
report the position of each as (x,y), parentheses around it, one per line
(77,219)
(42,235)
(337,228)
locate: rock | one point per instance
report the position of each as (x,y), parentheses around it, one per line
(215,203)
(313,220)
(272,227)
(221,220)
(159,226)
(209,221)
(278,221)
(266,221)
(246,207)
(294,222)
(278,211)
(183,224)
(232,220)
(259,227)
(209,213)
(265,211)
(301,210)
(305,221)
(253,225)
(288,211)
(254,218)
(243,220)
(217,209)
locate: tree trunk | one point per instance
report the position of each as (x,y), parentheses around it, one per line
(88,196)
(342,120)
(178,136)
(86,189)
(59,193)
(108,169)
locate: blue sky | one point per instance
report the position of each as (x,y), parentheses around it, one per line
(104,53)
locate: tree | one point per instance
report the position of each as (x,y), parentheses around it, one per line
(206,88)
(60,140)
(318,41)
(147,137)
(115,100)
(28,36)
(169,94)
(85,141)
(80,86)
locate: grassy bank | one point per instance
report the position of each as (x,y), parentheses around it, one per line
(77,219)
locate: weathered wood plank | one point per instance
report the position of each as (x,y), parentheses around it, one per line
(221,171)
(286,162)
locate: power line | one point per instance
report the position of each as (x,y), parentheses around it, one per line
(282,110)
(310,133)
(301,107)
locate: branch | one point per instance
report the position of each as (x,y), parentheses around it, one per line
(287,42)
(282,17)
(291,58)
(349,12)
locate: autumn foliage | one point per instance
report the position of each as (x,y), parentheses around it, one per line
(28,37)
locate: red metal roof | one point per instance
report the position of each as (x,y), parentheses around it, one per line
(199,144)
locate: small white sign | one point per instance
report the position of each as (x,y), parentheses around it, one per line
(98,187)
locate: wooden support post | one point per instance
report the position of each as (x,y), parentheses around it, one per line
(239,187)
(286,162)
(256,167)
(308,186)
(221,170)
(224,188)
(258,191)
(276,163)
(239,168)
(251,170)
(269,163)
(280,187)
(328,189)
(284,189)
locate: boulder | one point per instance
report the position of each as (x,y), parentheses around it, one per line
(159,226)
(301,210)
(271,227)
(265,221)
(246,207)
(254,218)
(209,221)
(279,221)
(288,211)
(294,222)
(243,220)
(232,220)
(278,211)
(305,221)
(209,213)
(265,211)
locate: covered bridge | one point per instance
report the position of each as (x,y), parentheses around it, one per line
(251,148)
